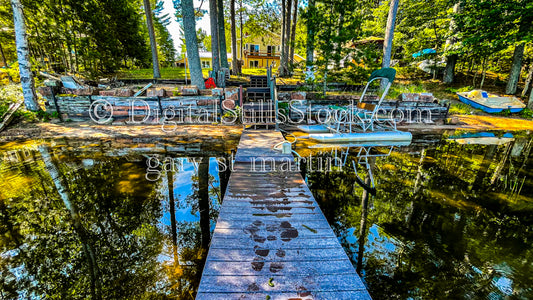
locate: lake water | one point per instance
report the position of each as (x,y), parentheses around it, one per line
(81,219)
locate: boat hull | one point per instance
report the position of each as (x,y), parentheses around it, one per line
(486,108)
(361,137)
(313,128)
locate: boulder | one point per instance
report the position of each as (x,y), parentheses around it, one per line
(228,104)
(109,93)
(298,95)
(157,92)
(189,90)
(217,92)
(232,94)
(124,93)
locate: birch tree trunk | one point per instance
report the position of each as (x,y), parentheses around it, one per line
(151,34)
(451,60)
(87,247)
(310,43)
(172,210)
(222,35)
(234,63)
(26,77)
(389,34)
(191,43)
(293,31)
(214,35)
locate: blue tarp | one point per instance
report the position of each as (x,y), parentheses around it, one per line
(424,52)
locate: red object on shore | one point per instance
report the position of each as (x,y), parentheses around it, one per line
(210,83)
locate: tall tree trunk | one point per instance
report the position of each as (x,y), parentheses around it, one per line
(222,35)
(501,163)
(363,225)
(484,72)
(528,81)
(283,68)
(214,36)
(451,60)
(241,28)
(203,201)
(172,210)
(530,101)
(191,43)
(234,62)
(283,25)
(87,247)
(514,75)
(389,35)
(449,71)
(293,31)
(338,46)
(484,167)
(26,77)
(151,34)
(5,63)
(310,42)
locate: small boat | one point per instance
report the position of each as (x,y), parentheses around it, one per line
(313,128)
(482,138)
(491,103)
(361,137)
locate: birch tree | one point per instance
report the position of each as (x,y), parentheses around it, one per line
(23,55)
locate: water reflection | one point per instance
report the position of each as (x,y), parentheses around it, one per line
(449,220)
(83,222)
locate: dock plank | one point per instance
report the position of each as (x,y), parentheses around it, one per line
(271,238)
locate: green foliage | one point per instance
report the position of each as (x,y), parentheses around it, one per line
(397,89)
(89,36)
(458,108)
(166,73)
(165,44)
(459,90)
(526,113)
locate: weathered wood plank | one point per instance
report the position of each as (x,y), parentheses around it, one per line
(303,295)
(292,283)
(272,239)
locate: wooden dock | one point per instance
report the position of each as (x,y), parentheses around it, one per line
(271,239)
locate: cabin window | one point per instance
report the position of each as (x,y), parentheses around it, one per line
(205,64)
(254,64)
(254,49)
(271,50)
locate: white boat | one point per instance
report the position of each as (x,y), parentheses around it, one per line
(360,137)
(313,128)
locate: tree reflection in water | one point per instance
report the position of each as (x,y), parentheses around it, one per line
(448,221)
(88,225)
